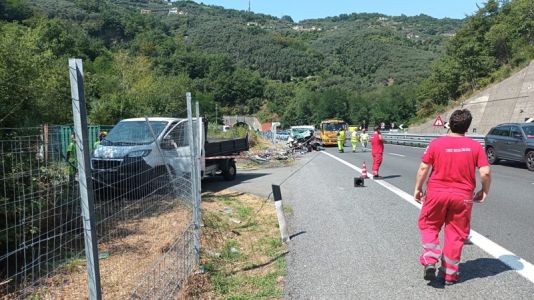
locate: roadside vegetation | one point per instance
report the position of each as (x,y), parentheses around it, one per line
(360,67)
(142,64)
(242,254)
(493,43)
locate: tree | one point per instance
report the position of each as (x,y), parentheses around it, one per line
(287,19)
(14,10)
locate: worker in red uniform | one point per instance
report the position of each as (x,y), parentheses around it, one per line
(449,195)
(377,150)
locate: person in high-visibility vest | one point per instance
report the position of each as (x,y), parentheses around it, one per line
(101,136)
(72,160)
(354,139)
(341,140)
(364,139)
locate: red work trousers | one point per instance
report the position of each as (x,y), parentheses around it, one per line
(377,161)
(453,209)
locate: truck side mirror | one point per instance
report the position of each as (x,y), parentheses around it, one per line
(166,143)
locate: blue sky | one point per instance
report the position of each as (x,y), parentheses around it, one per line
(311,9)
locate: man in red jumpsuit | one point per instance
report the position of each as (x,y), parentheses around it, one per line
(449,195)
(377,150)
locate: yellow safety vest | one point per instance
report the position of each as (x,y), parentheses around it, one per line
(341,136)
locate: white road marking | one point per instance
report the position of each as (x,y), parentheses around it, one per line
(521,266)
(397,154)
(413,147)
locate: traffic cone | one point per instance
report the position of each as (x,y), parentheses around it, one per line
(364,170)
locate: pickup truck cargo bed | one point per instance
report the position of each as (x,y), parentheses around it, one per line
(220,147)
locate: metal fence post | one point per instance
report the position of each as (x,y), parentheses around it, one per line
(194,179)
(199,154)
(84,172)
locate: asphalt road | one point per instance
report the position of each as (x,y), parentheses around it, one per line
(362,243)
(507,216)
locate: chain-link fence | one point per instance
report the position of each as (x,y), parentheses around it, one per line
(120,216)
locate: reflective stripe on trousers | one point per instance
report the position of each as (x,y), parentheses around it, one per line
(449,268)
(431,254)
(451,209)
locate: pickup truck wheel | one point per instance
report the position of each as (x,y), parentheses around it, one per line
(229,171)
(492,156)
(529,158)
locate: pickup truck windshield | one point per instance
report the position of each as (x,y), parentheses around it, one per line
(133,133)
(529,131)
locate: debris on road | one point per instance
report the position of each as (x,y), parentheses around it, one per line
(266,154)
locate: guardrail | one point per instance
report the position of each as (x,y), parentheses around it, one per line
(419,140)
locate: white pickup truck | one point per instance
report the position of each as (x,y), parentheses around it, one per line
(129,156)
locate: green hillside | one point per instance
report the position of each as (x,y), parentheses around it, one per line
(365,50)
(361,67)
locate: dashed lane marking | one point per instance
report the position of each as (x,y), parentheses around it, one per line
(521,266)
(400,155)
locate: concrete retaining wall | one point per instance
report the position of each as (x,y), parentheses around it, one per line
(511,100)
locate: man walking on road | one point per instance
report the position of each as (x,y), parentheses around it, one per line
(449,195)
(377,151)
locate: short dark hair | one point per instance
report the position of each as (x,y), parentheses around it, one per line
(460,121)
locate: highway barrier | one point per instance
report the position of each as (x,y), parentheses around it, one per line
(419,140)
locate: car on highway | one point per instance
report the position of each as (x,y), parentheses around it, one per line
(511,141)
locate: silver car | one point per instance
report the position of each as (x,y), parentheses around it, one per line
(511,141)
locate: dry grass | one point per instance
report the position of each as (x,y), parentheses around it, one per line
(130,256)
(242,254)
(242,260)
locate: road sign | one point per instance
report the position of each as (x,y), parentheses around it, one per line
(438,122)
(401,126)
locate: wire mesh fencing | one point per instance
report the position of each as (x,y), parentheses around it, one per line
(142,186)
(40,223)
(143,212)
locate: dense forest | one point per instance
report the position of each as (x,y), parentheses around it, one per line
(140,59)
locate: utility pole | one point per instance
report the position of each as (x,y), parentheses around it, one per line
(216,119)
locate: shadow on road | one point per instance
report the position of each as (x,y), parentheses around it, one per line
(512,164)
(296,234)
(390,176)
(485,267)
(217,183)
(481,268)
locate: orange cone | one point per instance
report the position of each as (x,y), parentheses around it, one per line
(364,170)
